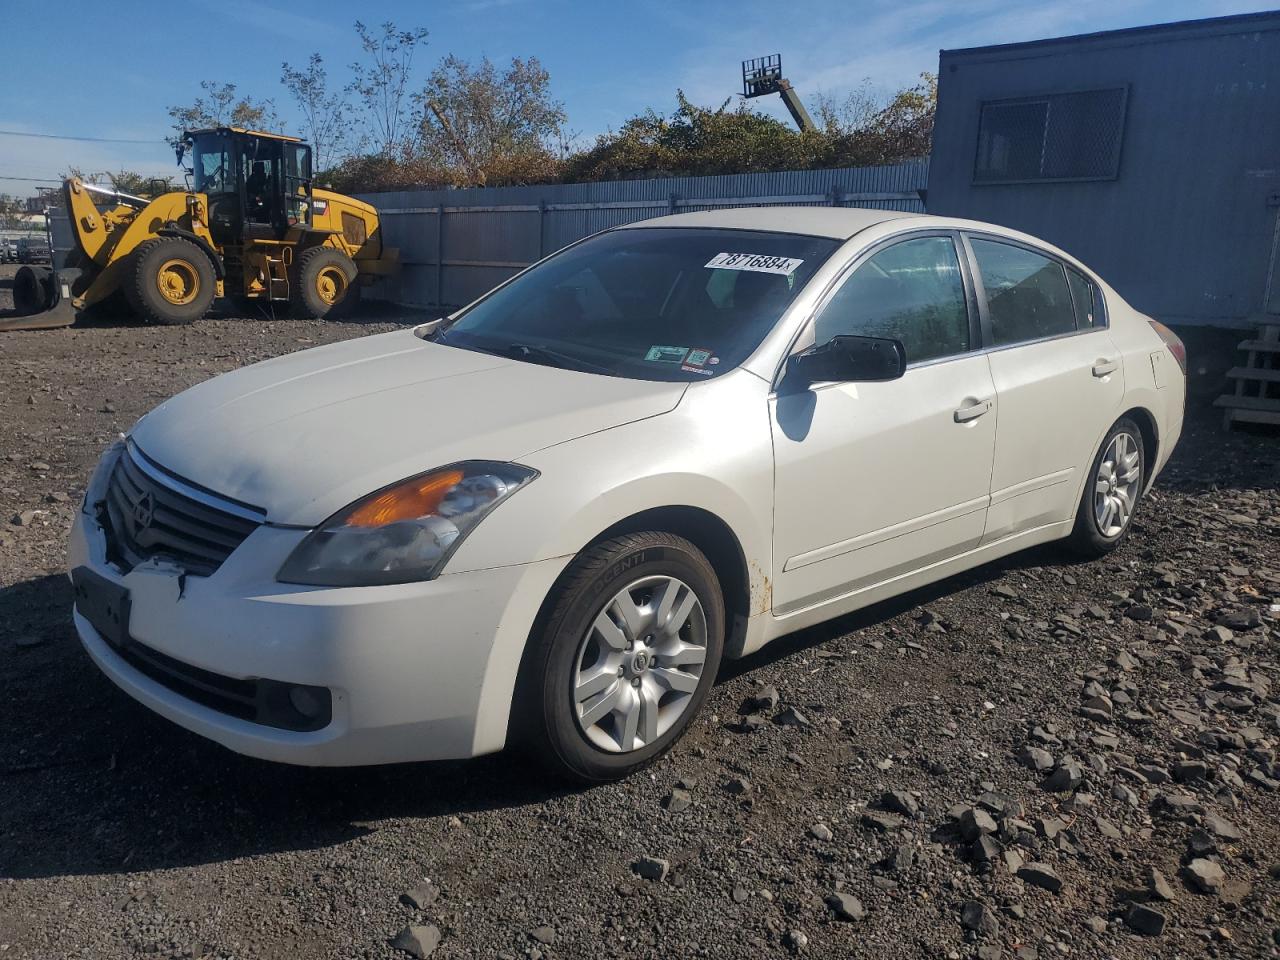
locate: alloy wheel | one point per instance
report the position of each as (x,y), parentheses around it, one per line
(640,664)
(1116,485)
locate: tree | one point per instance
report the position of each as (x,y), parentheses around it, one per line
(482,126)
(220,106)
(382,83)
(325,120)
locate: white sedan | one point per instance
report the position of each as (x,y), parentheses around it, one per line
(545,519)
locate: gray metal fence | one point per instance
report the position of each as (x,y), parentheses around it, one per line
(456,244)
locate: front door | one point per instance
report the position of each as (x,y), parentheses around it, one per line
(1058,377)
(874,480)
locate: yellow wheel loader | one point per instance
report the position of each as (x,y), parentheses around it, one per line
(251,228)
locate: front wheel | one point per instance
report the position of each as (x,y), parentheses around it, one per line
(172,283)
(626,658)
(1112,491)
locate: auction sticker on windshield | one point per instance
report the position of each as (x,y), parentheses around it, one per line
(757,262)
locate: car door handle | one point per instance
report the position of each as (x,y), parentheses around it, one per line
(973,411)
(1102,366)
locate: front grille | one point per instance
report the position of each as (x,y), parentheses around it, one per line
(144,517)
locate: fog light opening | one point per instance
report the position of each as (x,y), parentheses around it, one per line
(306,701)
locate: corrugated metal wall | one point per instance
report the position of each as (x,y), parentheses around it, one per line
(1188,231)
(456,244)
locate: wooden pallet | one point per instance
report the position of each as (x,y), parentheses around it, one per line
(1257,383)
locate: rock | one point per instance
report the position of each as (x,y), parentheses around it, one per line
(1221,827)
(1139,611)
(975,822)
(820,831)
(546,935)
(1187,771)
(1107,828)
(652,868)
(740,893)
(418,941)
(738,786)
(1036,758)
(796,940)
(846,907)
(1040,875)
(883,822)
(766,698)
(1144,919)
(984,849)
(791,717)
(26,518)
(27,641)
(421,897)
(678,800)
(1066,778)
(1158,885)
(979,918)
(900,858)
(39,466)
(1205,875)
(1049,827)
(899,801)
(1095,925)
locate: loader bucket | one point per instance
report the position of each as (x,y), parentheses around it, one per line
(41,299)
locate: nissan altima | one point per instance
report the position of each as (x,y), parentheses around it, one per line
(545,519)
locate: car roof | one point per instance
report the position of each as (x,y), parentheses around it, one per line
(839,223)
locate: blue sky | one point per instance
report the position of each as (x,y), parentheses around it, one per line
(112,68)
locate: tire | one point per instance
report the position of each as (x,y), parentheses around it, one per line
(1090,538)
(582,738)
(322,284)
(32,290)
(172,282)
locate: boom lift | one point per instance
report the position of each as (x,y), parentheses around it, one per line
(763,76)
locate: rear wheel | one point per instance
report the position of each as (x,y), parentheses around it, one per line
(1112,491)
(625,660)
(172,283)
(323,284)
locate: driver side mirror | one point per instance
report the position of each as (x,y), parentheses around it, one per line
(847,359)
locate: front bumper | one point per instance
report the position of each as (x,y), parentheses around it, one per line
(419,671)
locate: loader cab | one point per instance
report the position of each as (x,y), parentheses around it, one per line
(258,184)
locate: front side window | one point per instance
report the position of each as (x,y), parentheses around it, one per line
(648,303)
(1027,294)
(211,164)
(911,291)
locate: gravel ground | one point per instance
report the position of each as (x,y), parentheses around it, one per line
(1040,758)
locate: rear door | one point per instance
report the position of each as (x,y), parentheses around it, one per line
(1058,379)
(874,480)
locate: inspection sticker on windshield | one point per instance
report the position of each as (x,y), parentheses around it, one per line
(757,262)
(667,354)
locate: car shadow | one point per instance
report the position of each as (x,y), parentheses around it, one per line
(97,784)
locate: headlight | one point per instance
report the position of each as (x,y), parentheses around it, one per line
(96,491)
(404,532)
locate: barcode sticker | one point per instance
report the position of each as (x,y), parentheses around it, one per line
(757,262)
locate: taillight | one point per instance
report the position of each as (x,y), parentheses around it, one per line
(1173,342)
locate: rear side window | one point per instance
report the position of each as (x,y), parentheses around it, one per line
(911,291)
(1027,294)
(1086,298)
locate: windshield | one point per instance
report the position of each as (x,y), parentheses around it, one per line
(211,163)
(649,303)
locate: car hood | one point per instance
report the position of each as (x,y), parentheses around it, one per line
(303,435)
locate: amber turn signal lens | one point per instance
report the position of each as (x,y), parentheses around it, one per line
(408,501)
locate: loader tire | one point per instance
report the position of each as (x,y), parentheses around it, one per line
(172,282)
(32,290)
(323,284)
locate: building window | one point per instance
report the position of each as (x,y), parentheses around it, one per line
(1062,136)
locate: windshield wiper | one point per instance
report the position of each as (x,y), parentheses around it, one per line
(535,353)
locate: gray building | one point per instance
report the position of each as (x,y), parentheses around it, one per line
(1152,154)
